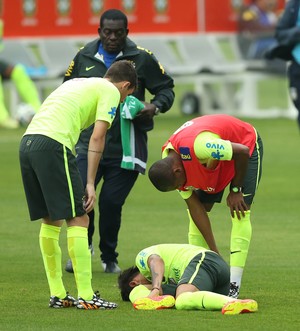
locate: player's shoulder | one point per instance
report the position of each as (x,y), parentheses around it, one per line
(94,85)
(139,49)
(88,50)
(144,50)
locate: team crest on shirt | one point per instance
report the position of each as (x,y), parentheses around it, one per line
(217,155)
(142,255)
(112,112)
(185,153)
(142,263)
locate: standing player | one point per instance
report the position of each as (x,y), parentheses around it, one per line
(51,179)
(200,159)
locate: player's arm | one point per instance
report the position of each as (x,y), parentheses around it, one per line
(201,220)
(95,150)
(157,268)
(158,82)
(235,200)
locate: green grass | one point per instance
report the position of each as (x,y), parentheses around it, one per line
(272,273)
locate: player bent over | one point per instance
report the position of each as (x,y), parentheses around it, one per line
(52,183)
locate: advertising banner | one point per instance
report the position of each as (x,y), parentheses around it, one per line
(81,17)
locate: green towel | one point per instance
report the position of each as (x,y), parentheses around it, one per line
(128,110)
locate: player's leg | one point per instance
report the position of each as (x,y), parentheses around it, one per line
(51,253)
(5,120)
(241,231)
(70,204)
(117,184)
(294,85)
(81,261)
(193,299)
(81,160)
(206,273)
(205,300)
(25,87)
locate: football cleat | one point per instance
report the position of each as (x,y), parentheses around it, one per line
(157,303)
(67,302)
(95,303)
(239,307)
(234,290)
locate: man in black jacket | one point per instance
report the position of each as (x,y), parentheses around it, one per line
(288,48)
(92,61)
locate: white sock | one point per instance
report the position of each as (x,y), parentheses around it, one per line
(236,274)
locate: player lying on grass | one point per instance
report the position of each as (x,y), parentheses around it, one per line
(187,276)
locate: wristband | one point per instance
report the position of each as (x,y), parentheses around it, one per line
(155,288)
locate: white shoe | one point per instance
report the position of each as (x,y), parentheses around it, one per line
(111,267)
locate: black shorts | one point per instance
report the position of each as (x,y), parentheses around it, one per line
(251,180)
(51,179)
(208,272)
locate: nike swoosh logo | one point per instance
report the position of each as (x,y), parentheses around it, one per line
(247,195)
(89,68)
(235,252)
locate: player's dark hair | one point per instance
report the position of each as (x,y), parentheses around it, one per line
(113,14)
(161,175)
(120,71)
(124,279)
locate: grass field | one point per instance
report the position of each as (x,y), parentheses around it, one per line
(272,274)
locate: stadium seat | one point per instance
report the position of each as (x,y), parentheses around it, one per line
(164,48)
(23,52)
(56,54)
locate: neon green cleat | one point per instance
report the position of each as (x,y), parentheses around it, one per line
(239,307)
(160,302)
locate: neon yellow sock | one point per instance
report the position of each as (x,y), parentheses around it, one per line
(140,291)
(241,233)
(81,260)
(194,235)
(25,87)
(3,110)
(202,300)
(51,253)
